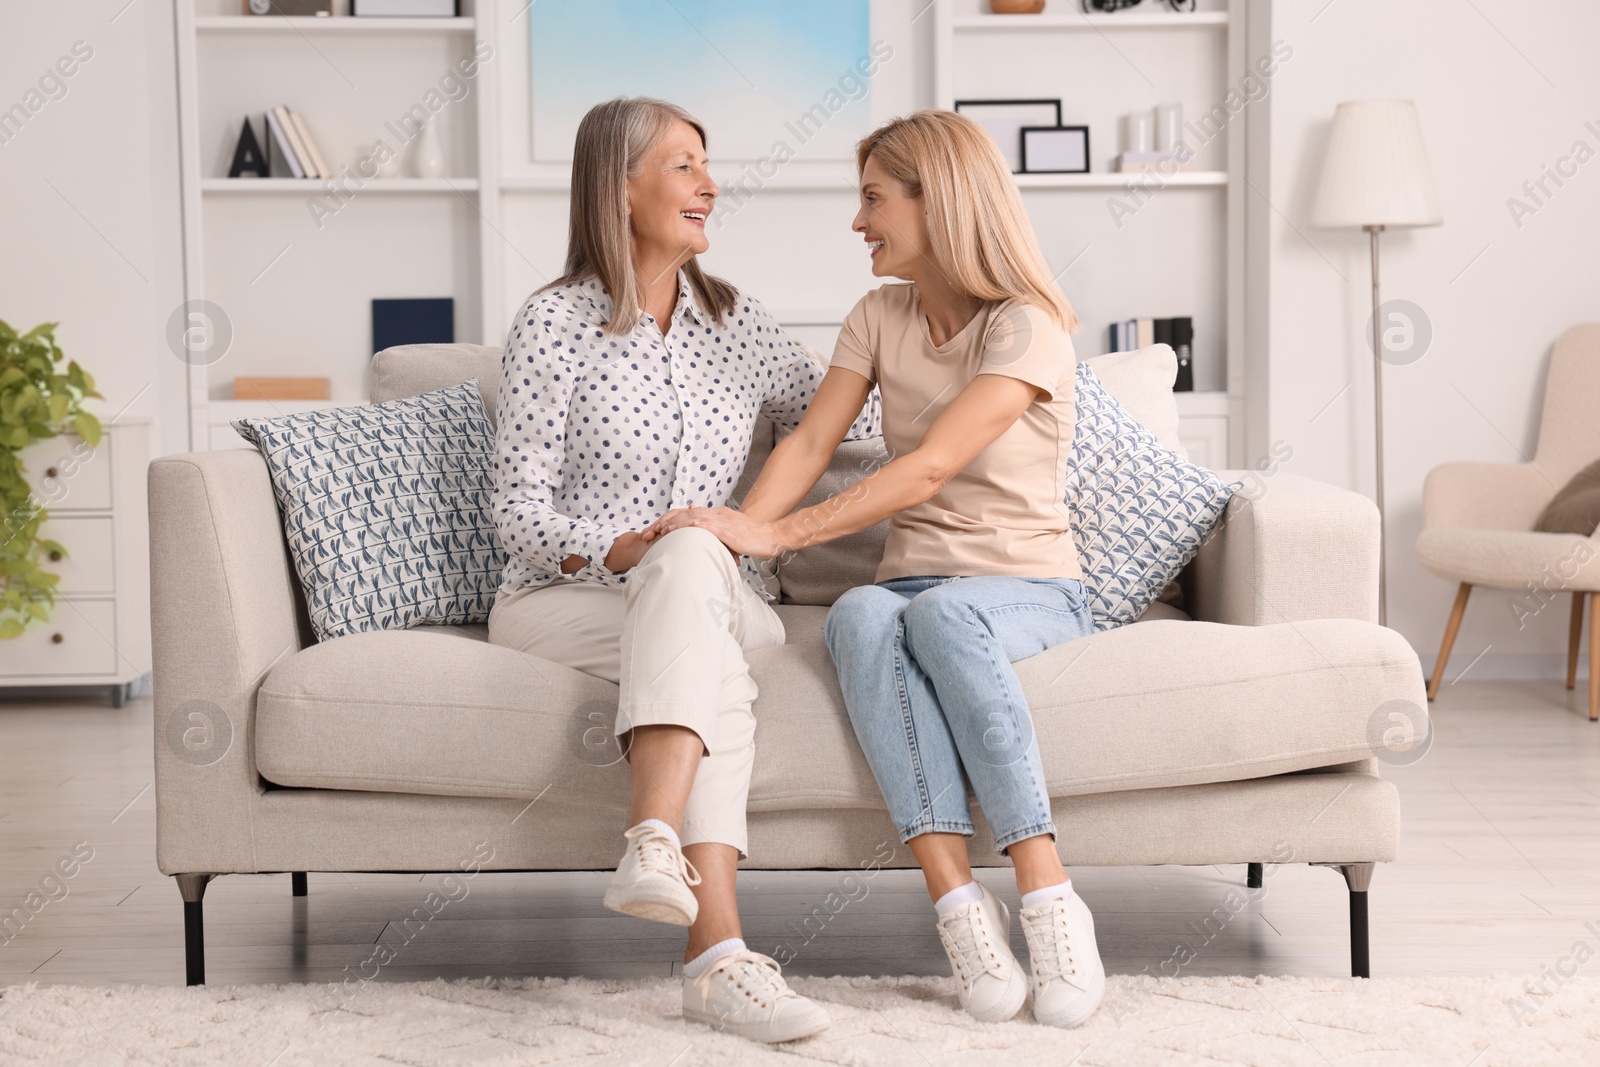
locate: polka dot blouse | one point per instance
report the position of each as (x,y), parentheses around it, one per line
(599,435)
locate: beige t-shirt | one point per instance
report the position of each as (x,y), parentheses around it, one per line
(1003,514)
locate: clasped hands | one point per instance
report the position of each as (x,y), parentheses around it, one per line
(743,535)
(739,532)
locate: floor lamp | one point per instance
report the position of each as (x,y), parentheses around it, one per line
(1376,176)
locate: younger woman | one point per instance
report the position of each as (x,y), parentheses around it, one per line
(976,369)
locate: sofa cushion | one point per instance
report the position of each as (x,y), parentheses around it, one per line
(386,510)
(1162,703)
(1141,380)
(410,370)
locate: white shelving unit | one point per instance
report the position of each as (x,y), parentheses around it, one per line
(297,292)
(1081,56)
(295,282)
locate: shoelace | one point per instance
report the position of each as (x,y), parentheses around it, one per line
(762,973)
(968,944)
(658,854)
(1058,939)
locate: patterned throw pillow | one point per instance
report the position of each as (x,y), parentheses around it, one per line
(386,509)
(1139,511)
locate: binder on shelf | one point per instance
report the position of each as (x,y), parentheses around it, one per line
(1161,332)
(1147,335)
(280,140)
(1183,345)
(308,169)
(304,131)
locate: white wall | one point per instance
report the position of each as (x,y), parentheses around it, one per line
(1502,89)
(89,208)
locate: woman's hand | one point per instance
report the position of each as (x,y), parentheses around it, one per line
(742,534)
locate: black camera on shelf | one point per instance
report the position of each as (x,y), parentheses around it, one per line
(1119,5)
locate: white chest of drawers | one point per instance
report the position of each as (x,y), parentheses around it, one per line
(94,499)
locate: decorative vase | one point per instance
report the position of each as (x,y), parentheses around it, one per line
(427,157)
(1016,7)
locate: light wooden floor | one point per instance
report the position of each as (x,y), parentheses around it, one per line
(1499,871)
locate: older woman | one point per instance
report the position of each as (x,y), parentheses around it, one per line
(630,386)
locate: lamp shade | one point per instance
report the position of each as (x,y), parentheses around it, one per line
(1376,172)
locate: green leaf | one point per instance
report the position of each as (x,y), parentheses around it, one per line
(87,427)
(10,628)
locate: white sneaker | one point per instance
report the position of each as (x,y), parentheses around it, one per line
(977,938)
(1068,977)
(653,879)
(744,993)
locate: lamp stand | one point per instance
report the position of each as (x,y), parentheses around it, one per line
(1377,422)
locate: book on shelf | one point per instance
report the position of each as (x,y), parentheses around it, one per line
(300,126)
(284,148)
(289,136)
(1178,333)
(301,153)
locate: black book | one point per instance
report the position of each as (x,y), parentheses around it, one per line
(1182,341)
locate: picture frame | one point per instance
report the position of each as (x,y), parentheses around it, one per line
(1055,149)
(1004,119)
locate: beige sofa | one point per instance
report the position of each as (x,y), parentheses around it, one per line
(1241,735)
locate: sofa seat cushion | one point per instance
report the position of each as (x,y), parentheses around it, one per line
(1163,703)
(1166,702)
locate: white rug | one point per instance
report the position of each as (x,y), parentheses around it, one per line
(1452,1022)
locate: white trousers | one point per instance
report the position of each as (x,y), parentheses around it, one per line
(673,639)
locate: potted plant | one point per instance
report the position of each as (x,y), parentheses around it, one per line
(38,399)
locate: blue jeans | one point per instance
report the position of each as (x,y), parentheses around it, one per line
(925,665)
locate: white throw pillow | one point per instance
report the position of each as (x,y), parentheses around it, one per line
(386,509)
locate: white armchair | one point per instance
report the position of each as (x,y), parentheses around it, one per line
(1477,518)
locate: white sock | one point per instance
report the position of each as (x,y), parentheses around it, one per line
(697,966)
(961,894)
(1039,896)
(664,828)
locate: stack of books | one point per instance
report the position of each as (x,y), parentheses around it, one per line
(1142,333)
(291,139)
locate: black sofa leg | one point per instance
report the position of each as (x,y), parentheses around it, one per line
(297,881)
(1358,876)
(193,888)
(1252,877)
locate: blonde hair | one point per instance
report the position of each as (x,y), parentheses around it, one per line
(613,140)
(979,231)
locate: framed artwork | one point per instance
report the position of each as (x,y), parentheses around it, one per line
(755,74)
(1004,119)
(1055,149)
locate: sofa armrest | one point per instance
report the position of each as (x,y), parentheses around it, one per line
(1485,496)
(223,610)
(1288,548)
